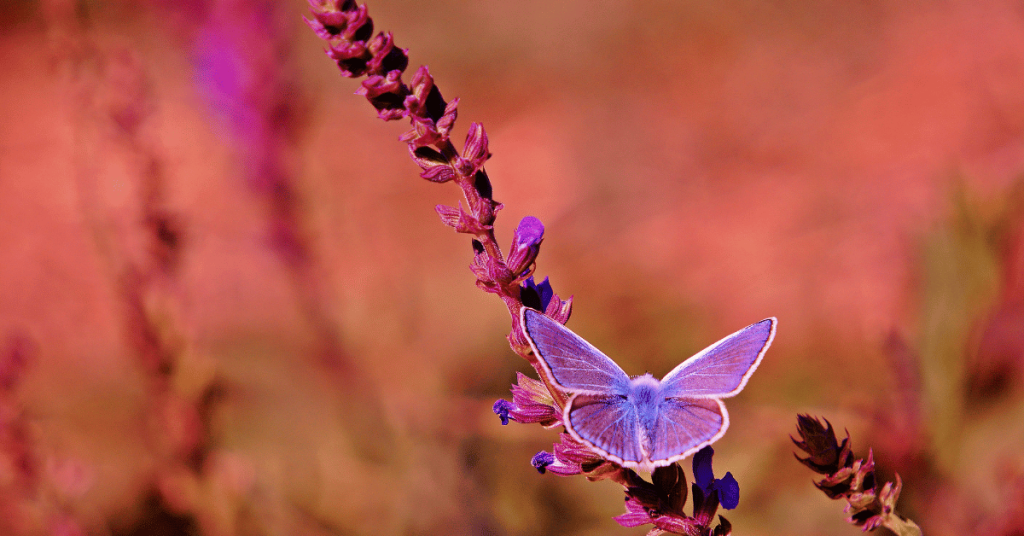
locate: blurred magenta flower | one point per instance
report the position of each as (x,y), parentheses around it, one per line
(14,357)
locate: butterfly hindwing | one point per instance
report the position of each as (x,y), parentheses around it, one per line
(607,423)
(722,369)
(684,426)
(573,363)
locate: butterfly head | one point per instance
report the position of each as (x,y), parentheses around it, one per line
(644,378)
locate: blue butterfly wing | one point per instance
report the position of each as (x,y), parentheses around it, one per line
(608,424)
(571,362)
(723,368)
(682,427)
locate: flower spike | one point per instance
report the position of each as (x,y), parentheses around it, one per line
(850,479)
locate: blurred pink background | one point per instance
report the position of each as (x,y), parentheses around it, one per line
(228,307)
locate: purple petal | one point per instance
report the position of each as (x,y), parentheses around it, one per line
(702,473)
(525,244)
(542,460)
(728,491)
(536,296)
(501,408)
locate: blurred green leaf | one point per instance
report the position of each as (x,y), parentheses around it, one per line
(960,283)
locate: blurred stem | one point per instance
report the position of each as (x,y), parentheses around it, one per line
(902,527)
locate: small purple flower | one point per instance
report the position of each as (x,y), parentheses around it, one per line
(351,26)
(542,460)
(536,296)
(660,502)
(531,402)
(541,296)
(571,458)
(727,488)
(502,408)
(545,461)
(525,247)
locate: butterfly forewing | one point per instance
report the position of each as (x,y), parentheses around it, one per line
(607,423)
(573,363)
(683,426)
(723,368)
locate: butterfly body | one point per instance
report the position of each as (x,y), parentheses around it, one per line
(643,422)
(644,390)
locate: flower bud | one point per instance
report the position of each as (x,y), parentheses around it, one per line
(525,245)
(475,150)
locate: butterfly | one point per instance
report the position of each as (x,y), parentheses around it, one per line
(643,423)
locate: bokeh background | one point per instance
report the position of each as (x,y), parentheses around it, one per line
(228,307)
